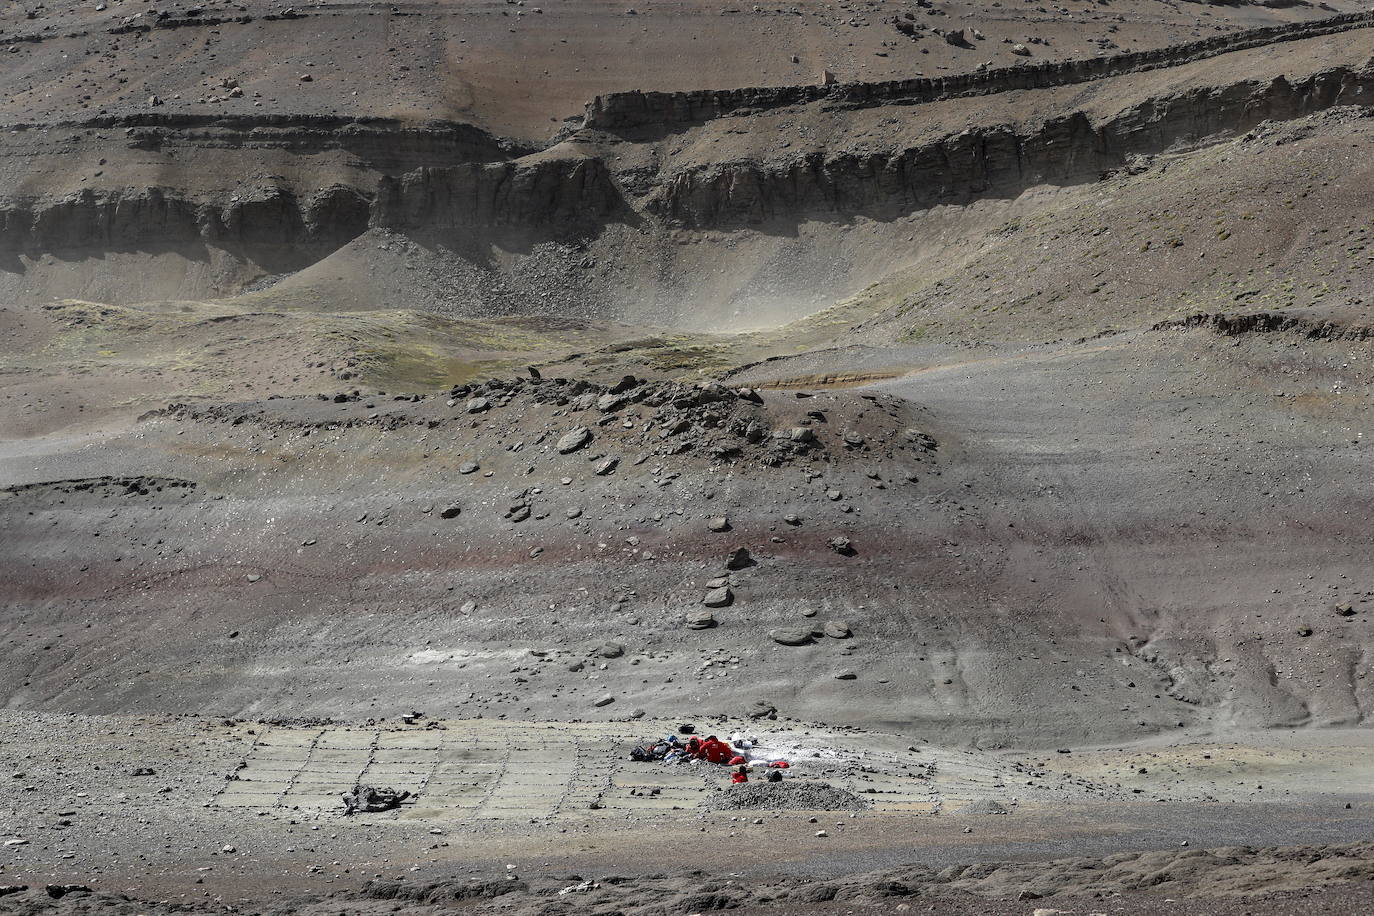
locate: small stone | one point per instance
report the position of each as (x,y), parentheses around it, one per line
(477,405)
(842,545)
(607,466)
(254,577)
(846,675)
(573,513)
(718,597)
(718,582)
(801,434)
(452,510)
(792,519)
(610,650)
(719,523)
(574,439)
(606,700)
(469,467)
(836,629)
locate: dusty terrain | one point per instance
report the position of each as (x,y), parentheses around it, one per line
(448,398)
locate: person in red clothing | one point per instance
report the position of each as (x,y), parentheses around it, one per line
(716,750)
(694,748)
(740,775)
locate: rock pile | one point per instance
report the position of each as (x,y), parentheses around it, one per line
(786,796)
(370,800)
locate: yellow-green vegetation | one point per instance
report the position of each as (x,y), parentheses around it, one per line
(193,350)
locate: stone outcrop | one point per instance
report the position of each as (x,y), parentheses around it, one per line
(993,160)
(132,219)
(460,183)
(626,112)
(1233,325)
(278,212)
(549,195)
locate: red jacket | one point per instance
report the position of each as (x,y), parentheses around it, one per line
(717,751)
(738,778)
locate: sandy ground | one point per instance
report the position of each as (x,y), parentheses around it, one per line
(226,800)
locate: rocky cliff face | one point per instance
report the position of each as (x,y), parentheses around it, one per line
(293,215)
(134,219)
(382,144)
(320,181)
(994,160)
(658,112)
(547,196)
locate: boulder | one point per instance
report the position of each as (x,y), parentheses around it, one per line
(836,629)
(700,620)
(719,597)
(790,636)
(739,558)
(625,384)
(574,439)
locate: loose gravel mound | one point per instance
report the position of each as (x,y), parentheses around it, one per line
(787,796)
(985,806)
